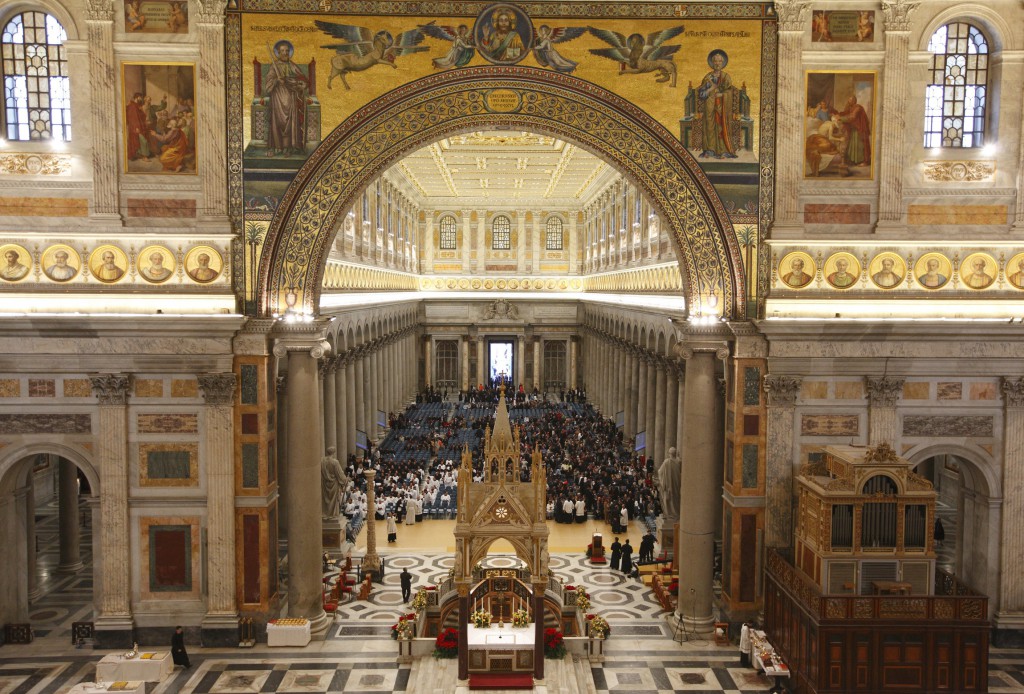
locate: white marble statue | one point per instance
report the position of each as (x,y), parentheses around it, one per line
(668,484)
(333,481)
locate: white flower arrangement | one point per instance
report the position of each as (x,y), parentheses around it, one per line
(520,618)
(481,619)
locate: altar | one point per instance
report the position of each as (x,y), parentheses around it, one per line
(497,649)
(146,666)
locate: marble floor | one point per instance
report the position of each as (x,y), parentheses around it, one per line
(358,655)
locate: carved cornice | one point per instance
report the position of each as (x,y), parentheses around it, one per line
(782,391)
(112,389)
(884,391)
(793,14)
(218,389)
(897,14)
(1013,391)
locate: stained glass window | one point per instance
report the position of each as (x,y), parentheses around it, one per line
(501,234)
(554,234)
(955,98)
(449,234)
(37,94)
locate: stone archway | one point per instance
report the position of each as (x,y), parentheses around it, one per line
(437,106)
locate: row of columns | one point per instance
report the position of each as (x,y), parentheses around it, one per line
(674,399)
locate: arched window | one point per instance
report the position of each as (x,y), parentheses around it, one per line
(447,366)
(554,365)
(955,99)
(449,233)
(501,233)
(554,234)
(37,96)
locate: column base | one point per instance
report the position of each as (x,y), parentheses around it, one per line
(219,631)
(705,626)
(114,632)
(70,568)
(320,625)
(667,536)
(1009,630)
(332,534)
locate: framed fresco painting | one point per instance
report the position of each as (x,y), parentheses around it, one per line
(839,125)
(158,107)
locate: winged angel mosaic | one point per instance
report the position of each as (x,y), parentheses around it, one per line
(363,48)
(637,54)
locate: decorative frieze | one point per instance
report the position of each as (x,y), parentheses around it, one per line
(948,426)
(184,423)
(18,164)
(1013,391)
(793,14)
(884,391)
(45,423)
(959,171)
(829,425)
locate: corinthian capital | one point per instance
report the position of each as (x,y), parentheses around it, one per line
(99,11)
(884,391)
(211,11)
(1013,392)
(111,389)
(782,390)
(793,14)
(218,389)
(897,14)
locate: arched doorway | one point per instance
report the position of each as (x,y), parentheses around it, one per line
(967,510)
(423,111)
(48,495)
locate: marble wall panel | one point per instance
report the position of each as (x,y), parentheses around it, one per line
(249,385)
(168,465)
(750,466)
(168,423)
(751,386)
(983,391)
(814,390)
(829,425)
(849,390)
(184,388)
(950,391)
(837,214)
(928,215)
(10,388)
(948,426)
(77,388)
(45,424)
(155,207)
(44,207)
(916,390)
(42,388)
(170,557)
(149,388)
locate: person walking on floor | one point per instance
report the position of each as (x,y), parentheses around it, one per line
(406,584)
(626,565)
(616,554)
(392,529)
(178,652)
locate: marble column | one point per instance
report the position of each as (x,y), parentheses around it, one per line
(357,399)
(633,391)
(573,368)
(699,499)
(895,88)
(465,364)
(305,585)
(781,392)
(794,21)
(1010,608)
(103,111)
(70,552)
(341,403)
(328,369)
(367,393)
(641,396)
(481,364)
(114,628)
(651,406)
(463,632)
(14,570)
(671,399)
(212,117)
(282,447)
(371,560)
(538,632)
(660,408)
(538,366)
(883,424)
(429,365)
(220,624)
(375,383)
(520,362)
(31,560)
(621,396)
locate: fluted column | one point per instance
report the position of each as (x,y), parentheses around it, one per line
(114,563)
(371,562)
(651,406)
(341,403)
(220,625)
(883,393)
(328,369)
(794,20)
(67,511)
(699,499)
(895,86)
(660,409)
(465,364)
(212,116)
(641,396)
(520,362)
(305,586)
(538,367)
(574,343)
(103,110)
(358,398)
(428,364)
(1010,609)
(782,392)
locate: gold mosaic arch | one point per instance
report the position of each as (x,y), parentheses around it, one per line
(441,105)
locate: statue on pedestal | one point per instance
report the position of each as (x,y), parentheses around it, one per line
(668,484)
(333,481)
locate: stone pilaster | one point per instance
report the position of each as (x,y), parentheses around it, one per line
(465,364)
(303,491)
(1018,210)
(574,345)
(895,87)
(651,407)
(114,628)
(70,554)
(1010,610)
(351,409)
(781,392)
(103,111)
(340,402)
(883,394)
(328,372)
(794,21)
(220,624)
(660,408)
(640,406)
(212,116)
(538,366)
(427,362)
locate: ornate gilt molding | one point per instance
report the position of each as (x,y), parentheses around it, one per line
(218,389)
(111,389)
(782,391)
(959,171)
(30,164)
(884,391)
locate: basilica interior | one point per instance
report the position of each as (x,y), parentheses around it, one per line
(238,234)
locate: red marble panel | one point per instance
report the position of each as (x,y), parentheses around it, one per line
(836,214)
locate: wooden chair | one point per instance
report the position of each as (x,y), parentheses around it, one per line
(365,588)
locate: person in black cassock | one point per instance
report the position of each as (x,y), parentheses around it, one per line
(178,651)
(616,554)
(627,558)
(406,584)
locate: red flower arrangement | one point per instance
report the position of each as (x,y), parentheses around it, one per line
(570,587)
(673,586)
(431,587)
(447,644)
(554,643)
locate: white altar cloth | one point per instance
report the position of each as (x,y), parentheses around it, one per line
(146,666)
(494,637)
(104,687)
(288,632)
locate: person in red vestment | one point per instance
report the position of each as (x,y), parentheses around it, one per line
(138,130)
(858,128)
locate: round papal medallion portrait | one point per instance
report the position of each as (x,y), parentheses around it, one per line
(156,264)
(108,264)
(15,262)
(1015,271)
(797,269)
(203,264)
(887,270)
(933,270)
(61,263)
(842,270)
(978,271)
